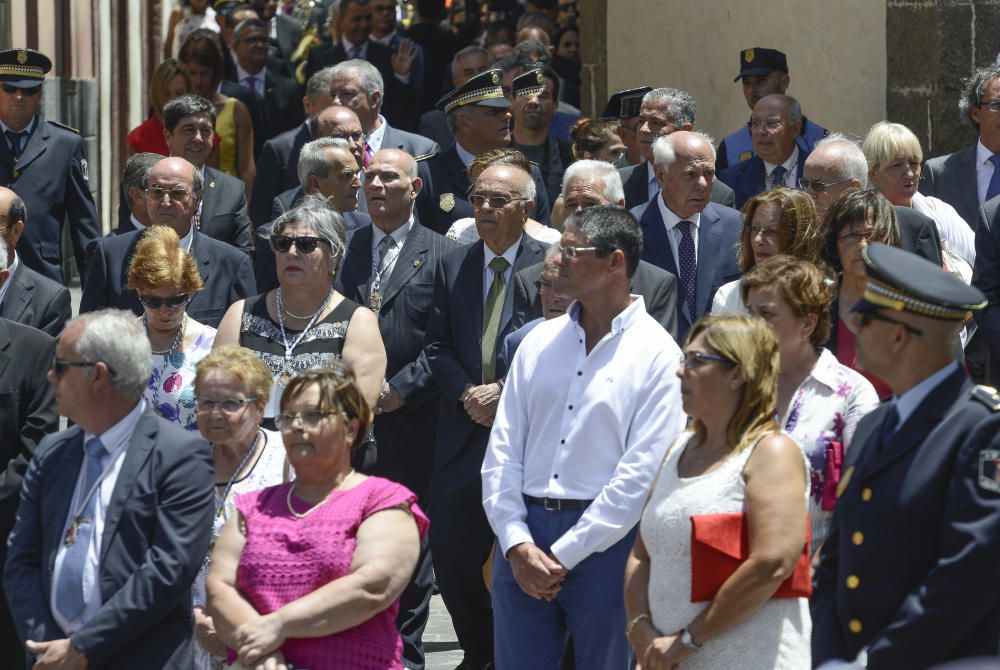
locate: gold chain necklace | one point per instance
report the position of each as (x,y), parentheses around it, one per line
(302,515)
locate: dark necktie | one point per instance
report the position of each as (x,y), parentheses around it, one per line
(355,52)
(492,311)
(16,140)
(688,263)
(778,176)
(994,188)
(889,427)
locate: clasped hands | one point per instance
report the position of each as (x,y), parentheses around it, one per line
(656,651)
(480,402)
(539,575)
(258,643)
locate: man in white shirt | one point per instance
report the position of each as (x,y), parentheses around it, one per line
(590,404)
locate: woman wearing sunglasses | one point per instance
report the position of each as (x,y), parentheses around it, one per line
(166,277)
(309,573)
(231,387)
(305,323)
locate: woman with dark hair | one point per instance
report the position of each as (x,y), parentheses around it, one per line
(566,62)
(854,220)
(596,140)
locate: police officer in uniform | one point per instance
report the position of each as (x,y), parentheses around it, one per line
(623,107)
(535,94)
(44,163)
(909,575)
(479,116)
(762,72)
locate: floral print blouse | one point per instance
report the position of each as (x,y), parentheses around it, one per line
(170,391)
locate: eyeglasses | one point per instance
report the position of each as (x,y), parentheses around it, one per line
(308,419)
(173,302)
(495,201)
(768,126)
(227,406)
(60,365)
(992,105)
(817,186)
(852,238)
(7,88)
(353,137)
(865,318)
(305,244)
(696,359)
(177,193)
(766,234)
(571,252)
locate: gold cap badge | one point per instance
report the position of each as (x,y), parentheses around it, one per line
(22,56)
(748,55)
(447,202)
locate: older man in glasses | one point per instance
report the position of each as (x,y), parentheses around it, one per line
(173,196)
(45,164)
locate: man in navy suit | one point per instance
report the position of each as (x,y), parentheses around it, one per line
(684,233)
(775,127)
(115,515)
(473,312)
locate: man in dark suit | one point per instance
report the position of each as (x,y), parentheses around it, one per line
(402,290)
(135,179)
(115,515)
(27,414)
(473,311)
(986,277)
(465,65)
(350,26)
(663,111)
(969,177)
(45,163)
(775,126)
(227,273)
(907,575)
(27,297)
(278,94)
(685,234)
(479,115)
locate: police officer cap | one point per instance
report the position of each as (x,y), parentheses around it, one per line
(484,90)
(23,68)
(532,82)
(904,282)
(625,104)
(761,62)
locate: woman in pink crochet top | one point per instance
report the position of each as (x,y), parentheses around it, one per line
(309,573)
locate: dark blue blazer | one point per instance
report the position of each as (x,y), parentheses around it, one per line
(986,277)
(405,437)
(454,340)
(718,263)
(37,301)
(749,177)
(444,198)
(513,341)
(226,273)
(156,532)
(918,522)
(277,170)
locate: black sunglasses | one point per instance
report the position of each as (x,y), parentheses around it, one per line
(173,302)
(60,365)
(865,318)
(283,243)
(7,88)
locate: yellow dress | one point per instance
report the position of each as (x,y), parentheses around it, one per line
(225,126)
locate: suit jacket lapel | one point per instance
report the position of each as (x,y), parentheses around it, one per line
(411,257)
(138,449)
(472,281)
(529,252)
(708,251)
(4,344)
(655,244)
(967,184)
(35,147)
(358,266)
(18,297)
(59,494)
(208,198)
(204,262)
(637,185)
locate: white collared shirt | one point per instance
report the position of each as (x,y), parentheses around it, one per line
(670,221)
(242,74)
(652,186)
(399,235)
(464,155)
(376,136)
(581,426)
(984,170)
(908,403)
(385,40)
(791,170)
(115,441)
(348,45)
(510,254)
(12,268)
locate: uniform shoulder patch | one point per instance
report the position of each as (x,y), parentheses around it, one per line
(989,470)
(988,396)
(64,127)
(423,157)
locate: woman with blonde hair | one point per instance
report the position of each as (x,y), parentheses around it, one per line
(733,483)
(166,278)
(170,80)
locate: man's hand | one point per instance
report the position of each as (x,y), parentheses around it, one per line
(480,403)
(538,574)
(389,399)
(258,637)
(56,655)
(205,635)
(402,59)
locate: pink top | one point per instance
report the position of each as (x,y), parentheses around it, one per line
(286,558)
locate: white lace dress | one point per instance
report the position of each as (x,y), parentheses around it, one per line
(774,637)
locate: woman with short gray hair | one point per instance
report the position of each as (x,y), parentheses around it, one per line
(305,323)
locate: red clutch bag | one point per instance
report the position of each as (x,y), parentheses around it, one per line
(720,543)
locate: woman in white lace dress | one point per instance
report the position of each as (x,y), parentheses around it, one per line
(734,459)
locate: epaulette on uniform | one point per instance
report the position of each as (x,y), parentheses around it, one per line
(423,157)
(64,127)
(988,396)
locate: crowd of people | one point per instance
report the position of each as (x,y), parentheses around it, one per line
(383,314)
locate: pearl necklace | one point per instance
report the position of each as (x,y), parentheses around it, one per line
(178,338)
(302,515)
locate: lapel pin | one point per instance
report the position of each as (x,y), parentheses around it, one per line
(416,262)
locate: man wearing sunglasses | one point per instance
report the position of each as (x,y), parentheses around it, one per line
(172,198)
(45,164)
(907,575)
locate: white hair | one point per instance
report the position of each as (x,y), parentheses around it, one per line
(664,153)
(855,163)
(606,172)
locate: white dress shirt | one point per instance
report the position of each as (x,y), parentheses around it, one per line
(908,403)
(185,241)
(242,75)
(115,441)
(464,155)
(791,170)
(376,136)
(12,268)
(984,170)
(581,426)
(510,254)
(670,221)
(399,235)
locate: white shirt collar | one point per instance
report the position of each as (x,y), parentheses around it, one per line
(622,320)
(399,234)
(790,164)
(116,438)
(242,74)
(464,155)
(983,154)
(907,403)
(376,136)
(348,45)
(386,40)
(510,254)
(670,219)
(826,371)
(139,225)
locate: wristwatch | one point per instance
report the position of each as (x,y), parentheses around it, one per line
(688,641)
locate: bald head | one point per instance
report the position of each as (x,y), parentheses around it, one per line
(775,125)
(391,188)
(12,219)
(342,122)
(175,189)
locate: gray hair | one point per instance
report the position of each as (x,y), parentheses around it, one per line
(326,222)
(368,75)
(313,160)
(453,115)
(794,110)
(473,49)
(972,93)
(681,107)
(251,22)
(664,153)
(527,186)
(116,338)
(855,163)
(606,172)
(319,83)
(136,173)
